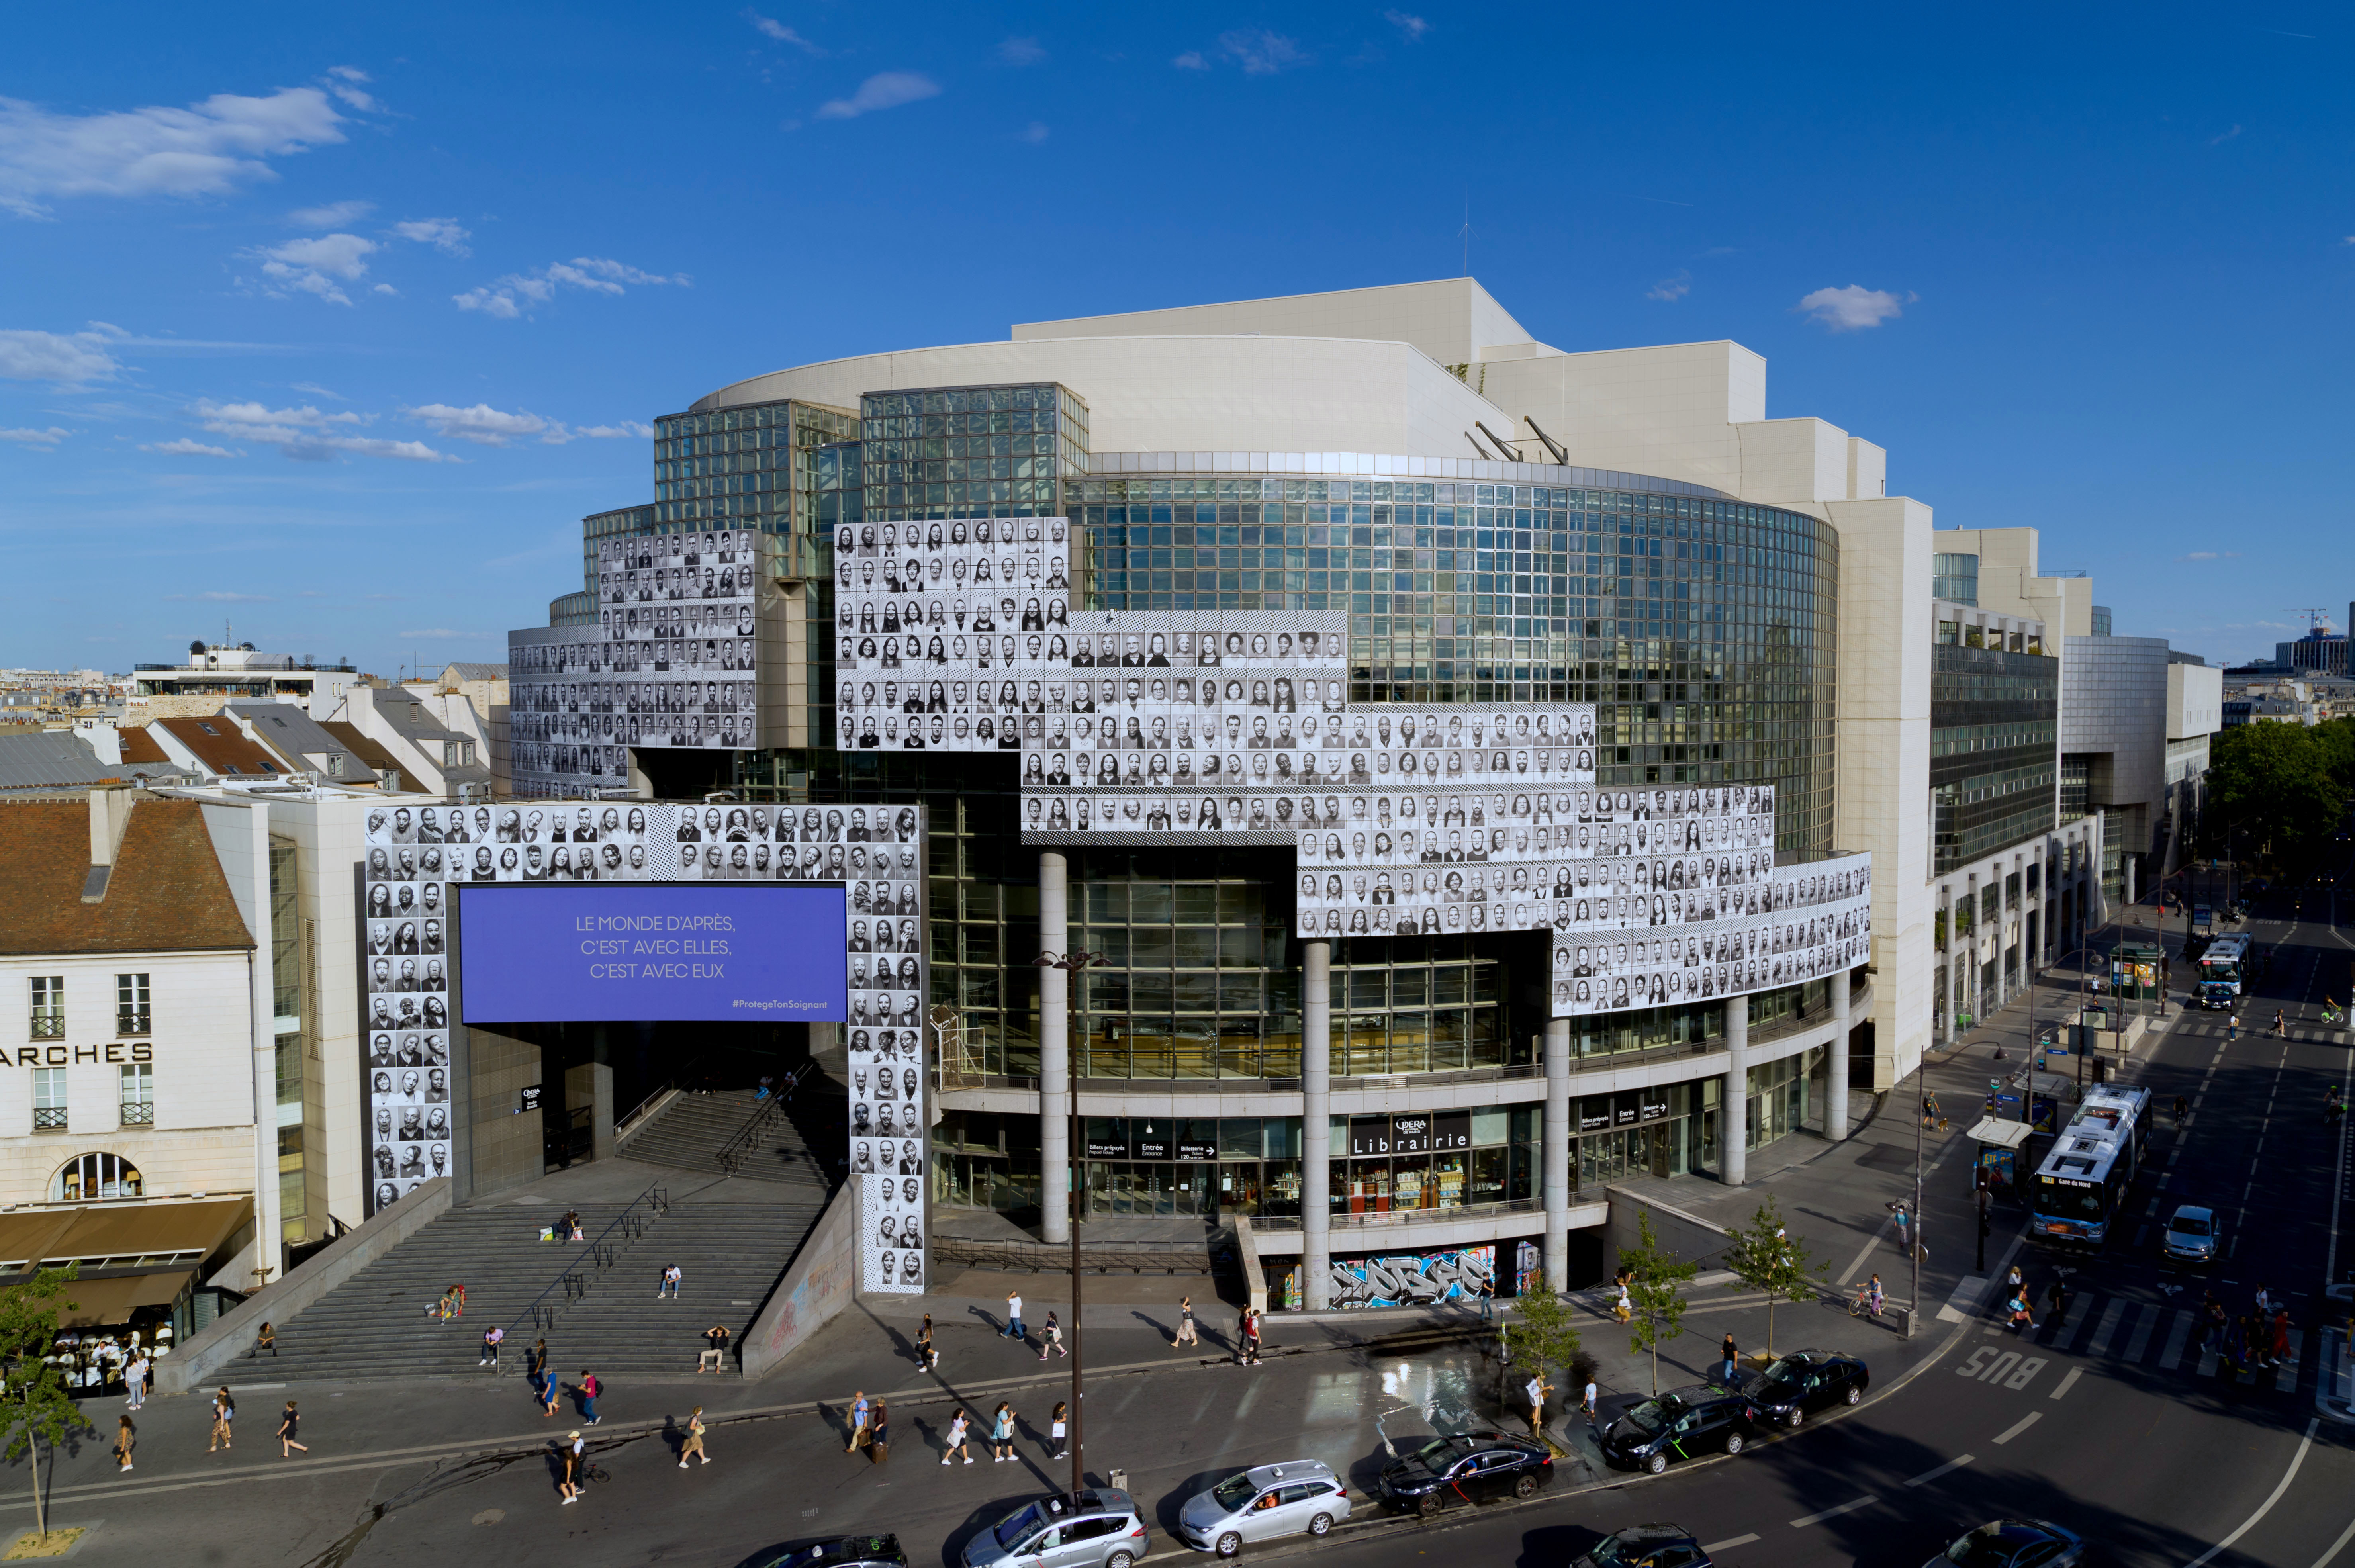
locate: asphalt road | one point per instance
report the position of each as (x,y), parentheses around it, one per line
(2112,1422)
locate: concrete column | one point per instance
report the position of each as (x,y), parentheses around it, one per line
(1835,1099)
(1054,1052)
(1315,1125)
(1733,1097)
(1558,1134)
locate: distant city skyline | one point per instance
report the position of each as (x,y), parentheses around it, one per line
(340,328)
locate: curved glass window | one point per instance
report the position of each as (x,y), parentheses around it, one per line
(89,1175)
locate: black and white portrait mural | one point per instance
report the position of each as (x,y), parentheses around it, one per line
(876,852)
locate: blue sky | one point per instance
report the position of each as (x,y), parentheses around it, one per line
(334,321)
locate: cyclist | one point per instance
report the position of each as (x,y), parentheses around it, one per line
(2182,1110)
(2333,1107)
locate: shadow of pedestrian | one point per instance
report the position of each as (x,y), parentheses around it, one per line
(1156,1325)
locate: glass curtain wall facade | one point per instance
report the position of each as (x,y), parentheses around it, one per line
(1702,628)
(1995,720)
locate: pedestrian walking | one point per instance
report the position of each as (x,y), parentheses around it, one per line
(2056,1297)
(1001,1433)
(572,1456)
(1904,1225)
(590,1389)
(2232,1027)
(1185,1323)
(926,1357)
(1014,1329)
(2182,1110)
(713,1356)
(958,1444)
(1731,1359)
(1535,1392)
(492,1337)
(1587,1401)
(1623,1308)
(669,1286)
(859,1411)
(126,1437)
(134,1379)
(2277,1338)
(1057,1425)
(548,1388)
(694,1443)
(224,1413)
(1251,1336)
(1930,1110)
(2212,1318)
(1051,1338)
(2017,1310)
(286,1426)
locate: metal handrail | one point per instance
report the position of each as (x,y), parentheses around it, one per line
(569,1279)
(732,1154)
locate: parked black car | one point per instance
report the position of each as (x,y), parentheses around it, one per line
(1467,1467)
(1703,1419)
(1806,1380)
(2014,1544)
(840,1551)
(1646,1546)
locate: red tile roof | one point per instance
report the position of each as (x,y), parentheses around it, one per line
(167,893)
(138,746)
(222,748)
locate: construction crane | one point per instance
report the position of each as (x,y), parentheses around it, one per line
(2318,617)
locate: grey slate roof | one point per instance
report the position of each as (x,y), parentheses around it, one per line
(57,759)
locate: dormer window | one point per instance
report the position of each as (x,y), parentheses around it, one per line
(207,728)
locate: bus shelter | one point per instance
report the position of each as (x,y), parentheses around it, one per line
(1999,1156)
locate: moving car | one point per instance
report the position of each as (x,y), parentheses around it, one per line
(1261,1504)
(1806,1380)
(1679,1425)
(839,1552)
(1646,1546)
(1096,1528)
(2190,1236)
(1465,1468)
(2014,1544)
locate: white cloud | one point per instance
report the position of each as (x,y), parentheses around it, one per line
(626,428)
(1851,309)
(442,233)
(2219,141)
(331,215)
(306,434)
(1191,61)
(1022,52)
(384,289)
(343,82)
(72,359)
(46,440)
(184,447)
(1259,52)
(516,293)
(1034,132)
(2210,555)
(1670,290)
(768,27)
(206,149)
(1412,26)
(315,266)
(316,390)
(888,91)
(486,426)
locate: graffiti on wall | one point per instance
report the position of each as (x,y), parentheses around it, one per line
(1415,1279)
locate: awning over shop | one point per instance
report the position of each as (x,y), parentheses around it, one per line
(144,1234)
(101,1303)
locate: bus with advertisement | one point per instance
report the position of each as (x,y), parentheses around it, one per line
(2224,966)
(2080,1190)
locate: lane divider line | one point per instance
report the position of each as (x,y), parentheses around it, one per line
(2070,1382)
(2016,1427)
(2267,1506)
(1833,1513)
(1927,1476)
(1728,1544)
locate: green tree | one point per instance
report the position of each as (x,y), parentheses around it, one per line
(2280,790)
(1541,1332)
(1766,1257)
(34,1404)
(1656,1291)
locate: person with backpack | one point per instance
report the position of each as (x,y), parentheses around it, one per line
(590,1389)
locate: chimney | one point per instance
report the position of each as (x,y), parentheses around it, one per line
(110,814)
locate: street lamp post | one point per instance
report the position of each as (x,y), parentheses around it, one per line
(1076,1189)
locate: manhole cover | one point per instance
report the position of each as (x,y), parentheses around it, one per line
(490,1515)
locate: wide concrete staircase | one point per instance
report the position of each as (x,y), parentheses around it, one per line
(706,1133)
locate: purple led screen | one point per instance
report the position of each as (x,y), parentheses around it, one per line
(691,951)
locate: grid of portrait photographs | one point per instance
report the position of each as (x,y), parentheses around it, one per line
(1413,863)
(932,618)
(670,662)
(877,851)
(1795,924)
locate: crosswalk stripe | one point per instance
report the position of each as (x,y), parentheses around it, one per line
(2285,1375)
(2207,1363)
(2146,1319)
(2105,1329)
(2179,1329)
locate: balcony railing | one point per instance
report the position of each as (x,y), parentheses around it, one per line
(49,1026)
(131,1020)
(138,1114)
(49,1119)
